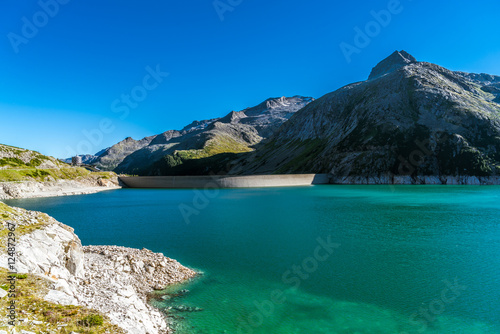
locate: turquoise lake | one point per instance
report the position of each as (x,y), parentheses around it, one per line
(319,259)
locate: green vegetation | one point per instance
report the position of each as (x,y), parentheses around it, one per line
(55,318)
(225,144)
(213,158)
(13,162)
(69,173)
(19,276)
(22,165)
(18,163)
(92,320)
(214,146)
(14,157)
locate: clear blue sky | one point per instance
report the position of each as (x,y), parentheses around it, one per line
(64,79)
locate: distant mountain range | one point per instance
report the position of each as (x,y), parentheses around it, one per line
(409,118)
(168,152)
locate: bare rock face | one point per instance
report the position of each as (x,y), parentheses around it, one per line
(51,249)
(74,258)
(114,155)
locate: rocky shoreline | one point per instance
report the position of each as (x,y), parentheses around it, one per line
(34,189)
(118,280)
(416,180)
(115,281)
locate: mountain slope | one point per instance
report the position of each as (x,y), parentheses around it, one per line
(167,153)
(15,157)
(114,155)
(408,119)
(25,173)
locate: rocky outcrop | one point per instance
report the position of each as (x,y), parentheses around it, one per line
(110,158)
(22,158)
(112,280)
(33,189)
(48,248)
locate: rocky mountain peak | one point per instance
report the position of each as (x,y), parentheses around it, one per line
(274,103)
(233,116)
(279,104)
(395,61)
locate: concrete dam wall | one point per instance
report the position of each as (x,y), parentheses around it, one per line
(227,181)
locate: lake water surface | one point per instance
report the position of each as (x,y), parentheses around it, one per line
(319,259)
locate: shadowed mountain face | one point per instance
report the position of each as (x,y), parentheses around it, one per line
(409,118)
(236,132)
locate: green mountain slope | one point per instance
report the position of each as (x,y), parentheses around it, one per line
(18,164)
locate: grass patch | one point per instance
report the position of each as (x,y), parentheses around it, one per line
(12,162)
(216,145)
(56,318)
(92,320)
(214,157)
(34,174)
(225,144)
(19,276)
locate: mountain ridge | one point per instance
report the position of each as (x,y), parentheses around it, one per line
(236,132)
(365,129)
